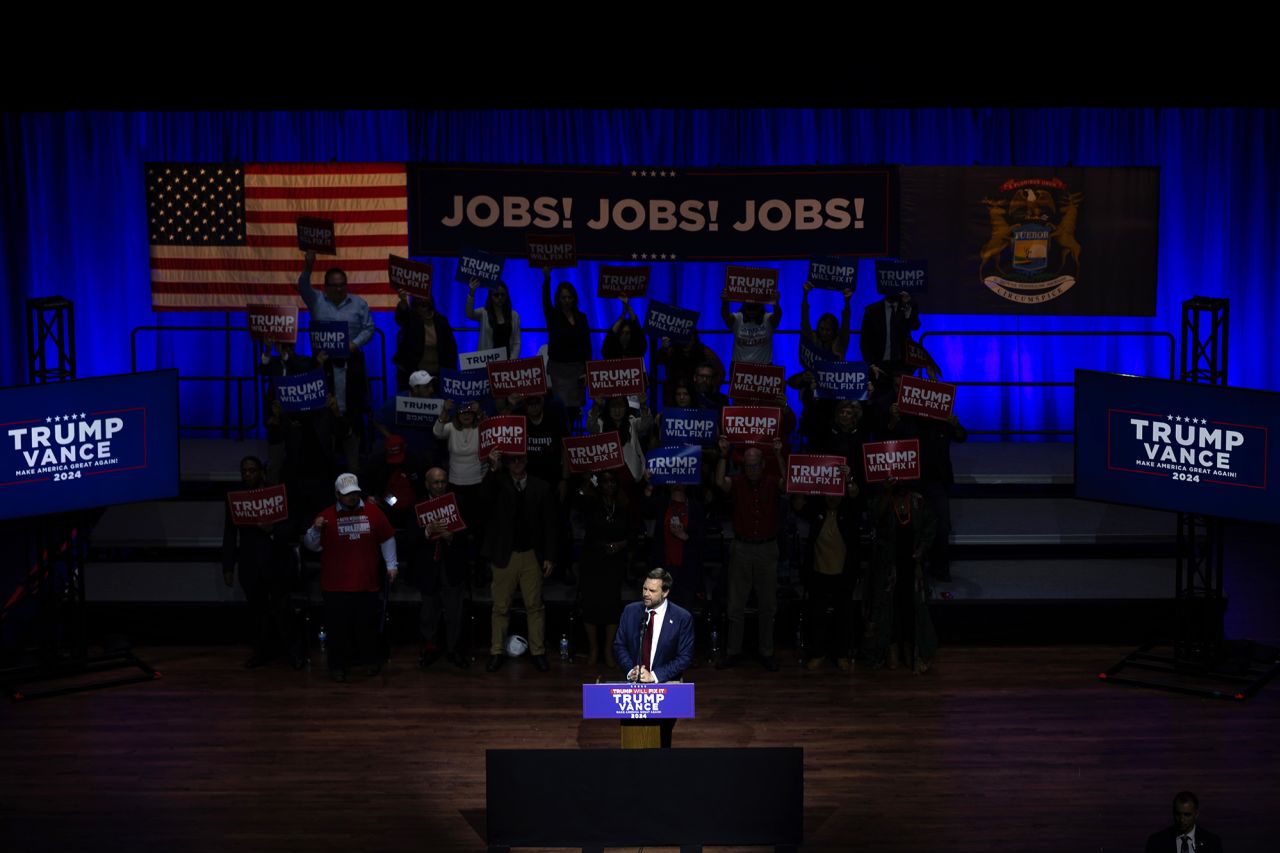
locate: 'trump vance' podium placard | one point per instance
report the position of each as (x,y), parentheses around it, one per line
(626,701)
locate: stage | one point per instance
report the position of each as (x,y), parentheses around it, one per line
(1013,748)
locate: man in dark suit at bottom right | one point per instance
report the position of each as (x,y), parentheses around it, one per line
(1184,836)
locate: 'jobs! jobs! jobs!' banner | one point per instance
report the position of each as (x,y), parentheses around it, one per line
(1177,446)
(654,214)
(89,443)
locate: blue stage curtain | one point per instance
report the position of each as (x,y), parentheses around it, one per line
(72,215)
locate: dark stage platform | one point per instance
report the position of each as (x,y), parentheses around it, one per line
(998,749)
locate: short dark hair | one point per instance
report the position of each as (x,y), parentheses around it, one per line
(1185,797)
(252,458)
(661,575)
(331,270)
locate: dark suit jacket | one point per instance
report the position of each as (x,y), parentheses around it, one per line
(675,644)
(872,335)
(409,340)
(1164,841)
(500,500)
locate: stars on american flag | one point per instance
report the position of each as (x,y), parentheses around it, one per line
(189,205)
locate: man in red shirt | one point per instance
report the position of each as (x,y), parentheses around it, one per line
(349,536)
(753,557)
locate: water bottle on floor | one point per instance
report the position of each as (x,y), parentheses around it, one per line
(564,647)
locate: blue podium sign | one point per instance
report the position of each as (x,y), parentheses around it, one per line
(627,701)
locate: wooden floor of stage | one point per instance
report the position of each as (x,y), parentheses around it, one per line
(1014,749)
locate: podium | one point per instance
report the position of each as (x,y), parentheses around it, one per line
(643,710)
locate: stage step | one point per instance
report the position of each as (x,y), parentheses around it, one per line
(1056,521)
(1063,580)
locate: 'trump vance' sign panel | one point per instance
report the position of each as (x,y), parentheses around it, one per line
(93,442)
(1177,445)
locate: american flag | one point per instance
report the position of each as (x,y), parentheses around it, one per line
(223,235)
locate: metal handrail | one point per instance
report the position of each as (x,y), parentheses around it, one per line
(1094,333)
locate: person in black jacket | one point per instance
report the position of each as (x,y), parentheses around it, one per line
(425,340)
(520,544)
(441,567)
(1185,836)
(267,568)
(886,327)
(831,571)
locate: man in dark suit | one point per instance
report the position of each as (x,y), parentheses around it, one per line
(1184,836)
(654,642)
(886,327)
(657,626)
(520,543)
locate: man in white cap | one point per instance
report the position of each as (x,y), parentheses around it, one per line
(424,448)
(349,536)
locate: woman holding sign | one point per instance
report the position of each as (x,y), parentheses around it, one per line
(829,336)
(568,345)
(466,471)
(499,322)
(616,415)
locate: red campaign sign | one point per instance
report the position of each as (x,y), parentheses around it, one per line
(926,398)
(258,506)
(507,433)
(616,282)
(750,284)
(316,235)
(589,453)
(814,474)
(751,424)
(277,323)
(883,460)
(404,274)
(443,509)
(524,376)
(918,356)
(750,381)
(615,377)
(548,251)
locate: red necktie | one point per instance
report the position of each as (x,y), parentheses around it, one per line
(646,647)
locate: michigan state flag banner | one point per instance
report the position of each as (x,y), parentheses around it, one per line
(1035,241)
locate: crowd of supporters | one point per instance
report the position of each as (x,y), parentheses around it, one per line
(861,566)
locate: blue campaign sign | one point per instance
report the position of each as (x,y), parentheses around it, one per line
(330,338)
(894,277)
(305,392)
(689,426)
(811,355)
(482,266)
(1178,446)
(668,321)
(462,386)
(89,443)
(841,380)
(681,464)
(833,273)
(626,701)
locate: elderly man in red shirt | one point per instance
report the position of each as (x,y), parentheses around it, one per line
(350,534)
